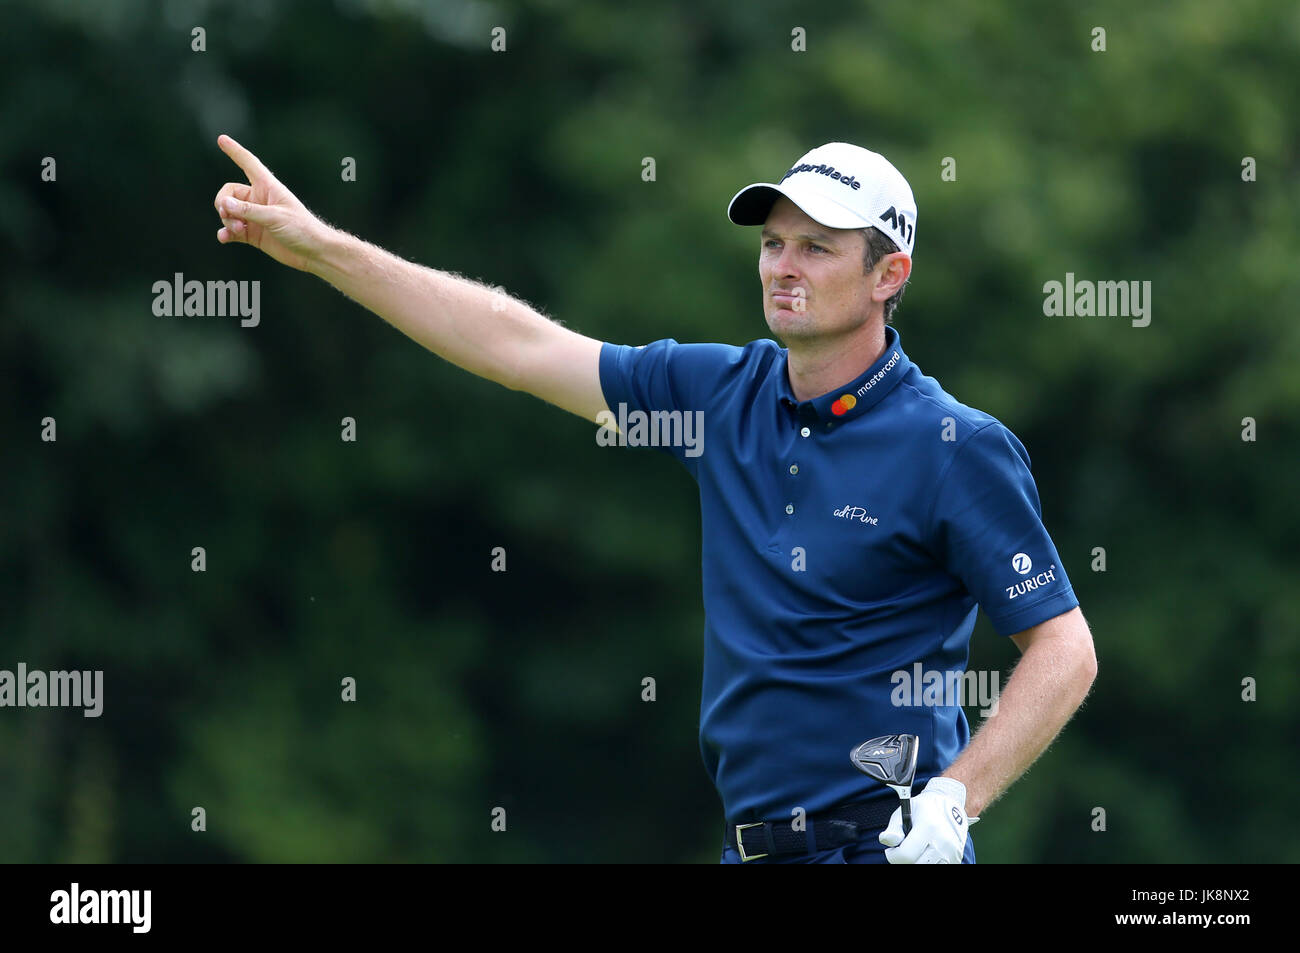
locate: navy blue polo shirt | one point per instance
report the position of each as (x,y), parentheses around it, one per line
(845,539)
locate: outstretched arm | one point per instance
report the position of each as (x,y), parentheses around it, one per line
(484,331)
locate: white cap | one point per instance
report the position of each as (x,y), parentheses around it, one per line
(839,185)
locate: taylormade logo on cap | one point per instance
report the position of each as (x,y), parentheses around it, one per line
(839,185)
(823,169)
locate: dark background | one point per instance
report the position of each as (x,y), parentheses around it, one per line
(522,168)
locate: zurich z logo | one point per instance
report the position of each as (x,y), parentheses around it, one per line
(899,223)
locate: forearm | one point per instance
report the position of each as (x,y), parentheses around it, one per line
(482,330)
(1044,691)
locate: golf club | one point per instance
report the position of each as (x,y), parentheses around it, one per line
(891,759)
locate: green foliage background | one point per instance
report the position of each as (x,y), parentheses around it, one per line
(522,689)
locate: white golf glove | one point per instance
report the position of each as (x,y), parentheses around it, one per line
(939,826)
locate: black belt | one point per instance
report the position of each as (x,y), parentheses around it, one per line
(833,828)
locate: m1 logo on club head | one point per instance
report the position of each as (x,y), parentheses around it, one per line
(1022,563)
(891,759)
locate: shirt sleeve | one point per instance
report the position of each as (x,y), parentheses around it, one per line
(987,530)
(658,393)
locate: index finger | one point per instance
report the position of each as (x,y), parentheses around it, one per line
(250,163)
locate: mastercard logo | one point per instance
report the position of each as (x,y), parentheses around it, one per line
(843,404)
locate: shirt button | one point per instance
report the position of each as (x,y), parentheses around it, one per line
(805,432)
(794,468)
(789,508)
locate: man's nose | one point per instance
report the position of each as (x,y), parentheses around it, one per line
(786,263)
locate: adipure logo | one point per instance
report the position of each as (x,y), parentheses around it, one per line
(858,513)
(1021,563)
(1033,582)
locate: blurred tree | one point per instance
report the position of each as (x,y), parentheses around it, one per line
(372,560)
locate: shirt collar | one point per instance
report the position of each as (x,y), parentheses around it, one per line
(855,398)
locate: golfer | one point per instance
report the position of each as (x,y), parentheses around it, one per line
(855,516)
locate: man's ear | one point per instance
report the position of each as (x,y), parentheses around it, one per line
(893,270)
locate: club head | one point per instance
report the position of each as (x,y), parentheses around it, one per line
(890,759)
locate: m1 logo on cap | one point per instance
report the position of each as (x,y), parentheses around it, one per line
(899,223)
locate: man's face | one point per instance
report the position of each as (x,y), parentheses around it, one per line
(813,285)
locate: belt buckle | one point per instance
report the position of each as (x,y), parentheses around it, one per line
(740,843)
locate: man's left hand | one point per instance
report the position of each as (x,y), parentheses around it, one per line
(939,826)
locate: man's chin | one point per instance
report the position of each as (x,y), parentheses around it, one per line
(787,324)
